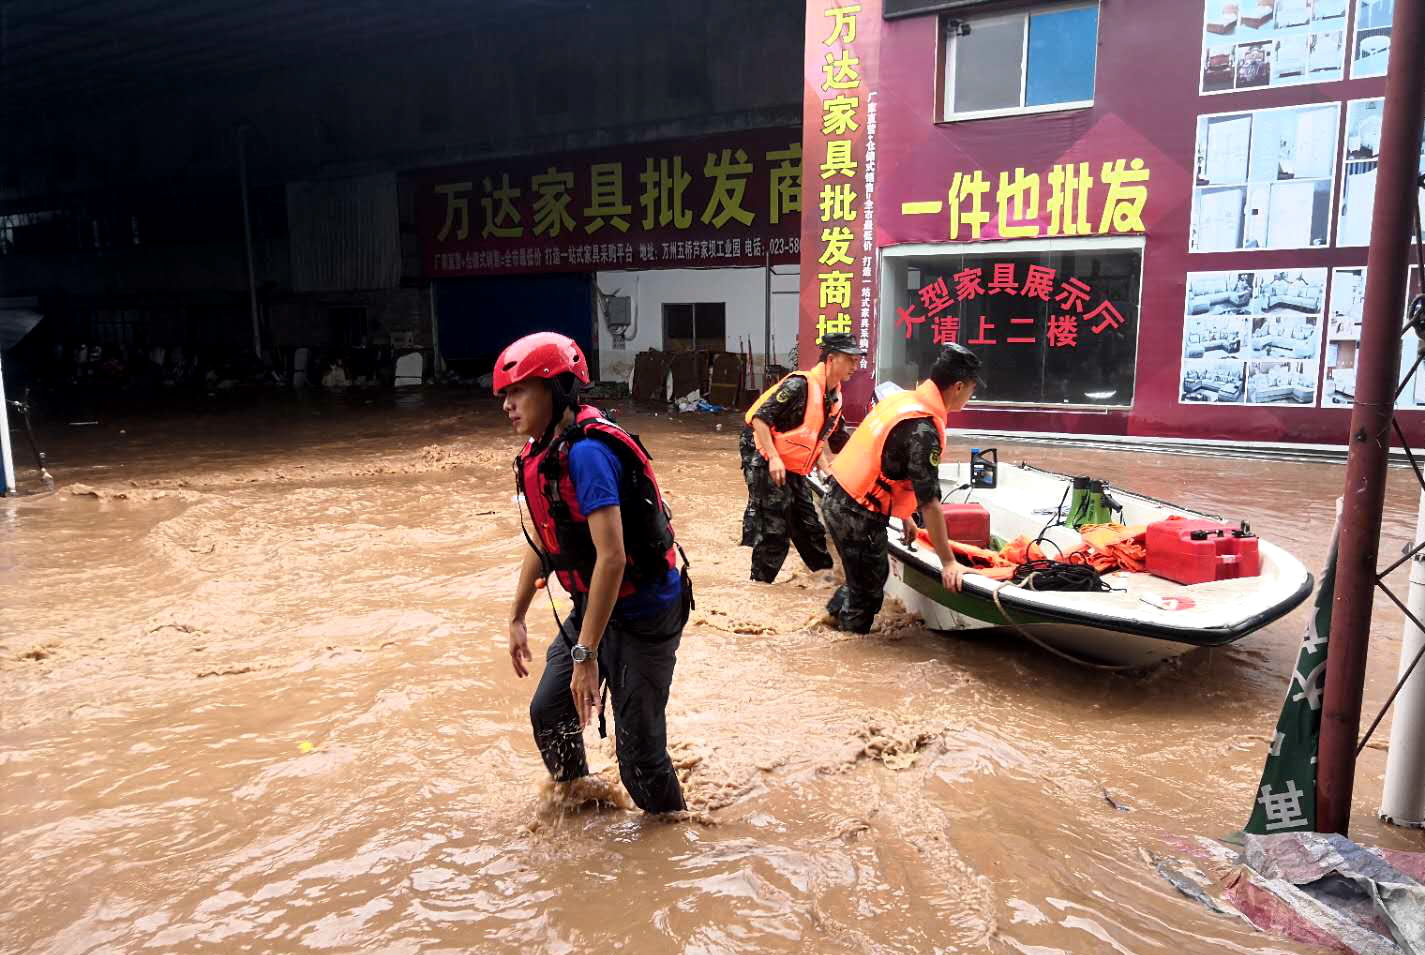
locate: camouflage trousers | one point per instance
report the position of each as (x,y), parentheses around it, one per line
(860,539)
(777,517)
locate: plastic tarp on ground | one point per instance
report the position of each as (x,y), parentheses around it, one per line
(17,317)
(1314,888)
(1358,896)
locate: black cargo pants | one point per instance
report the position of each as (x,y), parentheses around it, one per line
(777,517)
(860,539)
(636,660)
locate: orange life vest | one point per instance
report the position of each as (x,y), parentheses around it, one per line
(800,447)
(858,467)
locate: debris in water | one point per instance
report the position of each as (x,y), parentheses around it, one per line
(1186,884)
(84,490)
(896,747)
(851,829)
(180,627)
(232,672)
(1112,802)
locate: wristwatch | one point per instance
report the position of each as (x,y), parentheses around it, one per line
(581,653)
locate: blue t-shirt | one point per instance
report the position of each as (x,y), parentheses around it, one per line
(597,472)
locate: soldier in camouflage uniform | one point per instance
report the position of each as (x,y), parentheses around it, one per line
(790,430)
(890,467)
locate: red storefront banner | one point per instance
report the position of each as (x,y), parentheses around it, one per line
(838,276)
(718,201)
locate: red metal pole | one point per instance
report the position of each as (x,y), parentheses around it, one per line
(1377,374)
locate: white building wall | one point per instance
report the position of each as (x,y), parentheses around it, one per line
(742,290)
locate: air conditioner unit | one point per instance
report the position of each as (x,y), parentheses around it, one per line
(618,313)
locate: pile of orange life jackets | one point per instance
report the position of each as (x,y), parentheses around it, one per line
(1106,548)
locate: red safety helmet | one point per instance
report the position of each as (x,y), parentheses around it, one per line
(541,355)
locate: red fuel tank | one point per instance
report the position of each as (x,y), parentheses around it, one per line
(1197,551)
(967,523)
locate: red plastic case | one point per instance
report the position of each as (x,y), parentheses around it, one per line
(1195,552)
(967,523)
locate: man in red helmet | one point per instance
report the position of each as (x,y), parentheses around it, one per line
(601,526)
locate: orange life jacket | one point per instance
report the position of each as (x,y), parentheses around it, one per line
(800,447)
(858,467)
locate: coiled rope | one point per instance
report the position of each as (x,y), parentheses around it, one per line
(1043,575)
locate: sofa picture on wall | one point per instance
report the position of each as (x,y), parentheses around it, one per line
(1290,291)
(1281,382)
(1286,336)
(1414,396)
(1254,44)
(1220,293)
(1271,317)
(1216,337)
(1212,381)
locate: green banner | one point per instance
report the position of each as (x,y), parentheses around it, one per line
(1286,796)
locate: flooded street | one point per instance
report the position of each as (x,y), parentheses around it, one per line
(256,697)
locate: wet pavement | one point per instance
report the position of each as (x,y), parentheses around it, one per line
(256,697)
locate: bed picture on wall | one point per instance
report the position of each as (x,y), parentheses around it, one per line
(1370,44)
(1360,158)
(1256,44)
(1263,179)
(1343,337)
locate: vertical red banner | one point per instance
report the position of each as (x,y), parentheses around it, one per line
(839,271)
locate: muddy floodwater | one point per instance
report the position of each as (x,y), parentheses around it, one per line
(255,697)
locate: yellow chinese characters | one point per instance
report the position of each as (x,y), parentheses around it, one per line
(606,197)
(499,207)
(786,182)
(729,174)
(551,207)
(664,183)
(839,203)
(457,206)
(1020,201)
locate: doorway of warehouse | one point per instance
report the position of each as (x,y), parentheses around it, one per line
(478,317)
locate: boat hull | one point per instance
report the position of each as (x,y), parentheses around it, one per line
(1127,627)
(923,595)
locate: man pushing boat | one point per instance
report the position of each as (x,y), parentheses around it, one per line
(891,468)
(794,426)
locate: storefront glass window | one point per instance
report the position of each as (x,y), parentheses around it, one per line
(1053,328)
